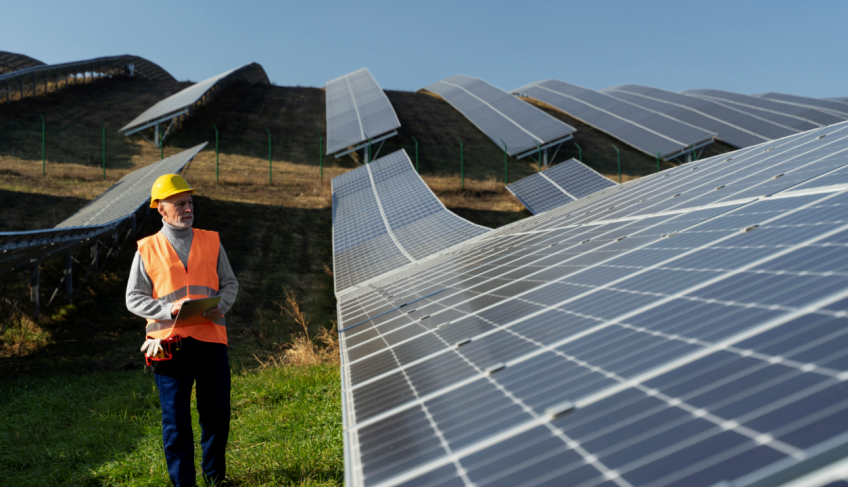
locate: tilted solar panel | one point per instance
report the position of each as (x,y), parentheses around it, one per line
(690,330)
(561,184)
(732,126)
(800,118)
(183,100)
(384,217)
(10,61)
(140,67)
(840,109)
(102,215)
(357,110)
(647,131)
(500,116)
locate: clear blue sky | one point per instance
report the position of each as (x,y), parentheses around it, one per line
(744,46)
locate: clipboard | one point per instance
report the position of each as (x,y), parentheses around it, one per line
(191,310)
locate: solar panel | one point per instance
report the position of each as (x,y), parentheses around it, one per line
(501,116)
(181,103)
(384,217)
(561,184)
(357,110)
(799,118)
(839,109)
(102,215)
(731,125)
(645,130)
(690,329)
(9,62)
(140,67)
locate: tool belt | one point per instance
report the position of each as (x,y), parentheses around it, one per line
(169,347)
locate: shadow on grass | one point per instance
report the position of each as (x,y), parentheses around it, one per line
(30,211)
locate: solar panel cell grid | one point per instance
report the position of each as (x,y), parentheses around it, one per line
(561,184)
(357,109)
(647,131)
(680,340)
(734,127)
(499,115)
(839,109)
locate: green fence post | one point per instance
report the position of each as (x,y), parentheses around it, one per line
(270,178)
(321,153)
(104,148)
(579,152)
(619,162)
(658,161)
(43,144)
(539,148)
(162,148)
(216,152)
(416,155)
(506,168)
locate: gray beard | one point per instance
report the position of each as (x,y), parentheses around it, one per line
(181,224)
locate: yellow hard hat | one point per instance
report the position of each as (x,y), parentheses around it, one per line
(168,185)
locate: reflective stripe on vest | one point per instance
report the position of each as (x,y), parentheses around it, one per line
(171,282)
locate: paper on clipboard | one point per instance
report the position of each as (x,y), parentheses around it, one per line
(191,310)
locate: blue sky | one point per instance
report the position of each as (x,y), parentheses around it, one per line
(743,46)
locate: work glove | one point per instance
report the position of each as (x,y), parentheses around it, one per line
(152,347)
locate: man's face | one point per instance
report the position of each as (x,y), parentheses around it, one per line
(178,210)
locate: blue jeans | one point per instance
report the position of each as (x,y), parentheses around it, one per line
(206,364)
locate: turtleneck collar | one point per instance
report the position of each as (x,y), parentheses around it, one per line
(172,231)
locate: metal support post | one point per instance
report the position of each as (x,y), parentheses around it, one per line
(34,292)
(94,256)
(104,148)
(579,152)
(619,162)
(368,151)
(658,161)
(156,135)
(43,144)
(270,177)
(506,168)
(416,155)
(216,152)
(69,276)
(116,242)
(539,149)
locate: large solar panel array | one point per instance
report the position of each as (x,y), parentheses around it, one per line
(384,217)
(102,215)
(689,330)
(559,185)
(140,67)
(10,61)
(795,117)
(501,116)
(648,131)
(357,110)
(181,103)
(840,109)
(731,125)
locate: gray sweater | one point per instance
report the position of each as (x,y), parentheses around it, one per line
(140,288)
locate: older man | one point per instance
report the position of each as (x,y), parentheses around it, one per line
(176,264)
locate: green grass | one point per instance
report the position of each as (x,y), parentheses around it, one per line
(104,429)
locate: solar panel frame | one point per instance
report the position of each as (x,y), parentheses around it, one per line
(357,110)
(181,102)
(500,116)
(142,67)
(456,426)
(10,62)
(385,217)
(560,184)
(645,130)
(104,214)
(837,108)
(731,126)
(800,118)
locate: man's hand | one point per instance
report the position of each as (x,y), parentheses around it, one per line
(214,314)
(176,305)
(152,347)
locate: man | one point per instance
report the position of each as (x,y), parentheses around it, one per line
(174,265)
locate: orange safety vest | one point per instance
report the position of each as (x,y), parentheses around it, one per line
(172,281)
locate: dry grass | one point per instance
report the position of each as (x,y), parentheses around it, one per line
(305,348)
(489,194)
